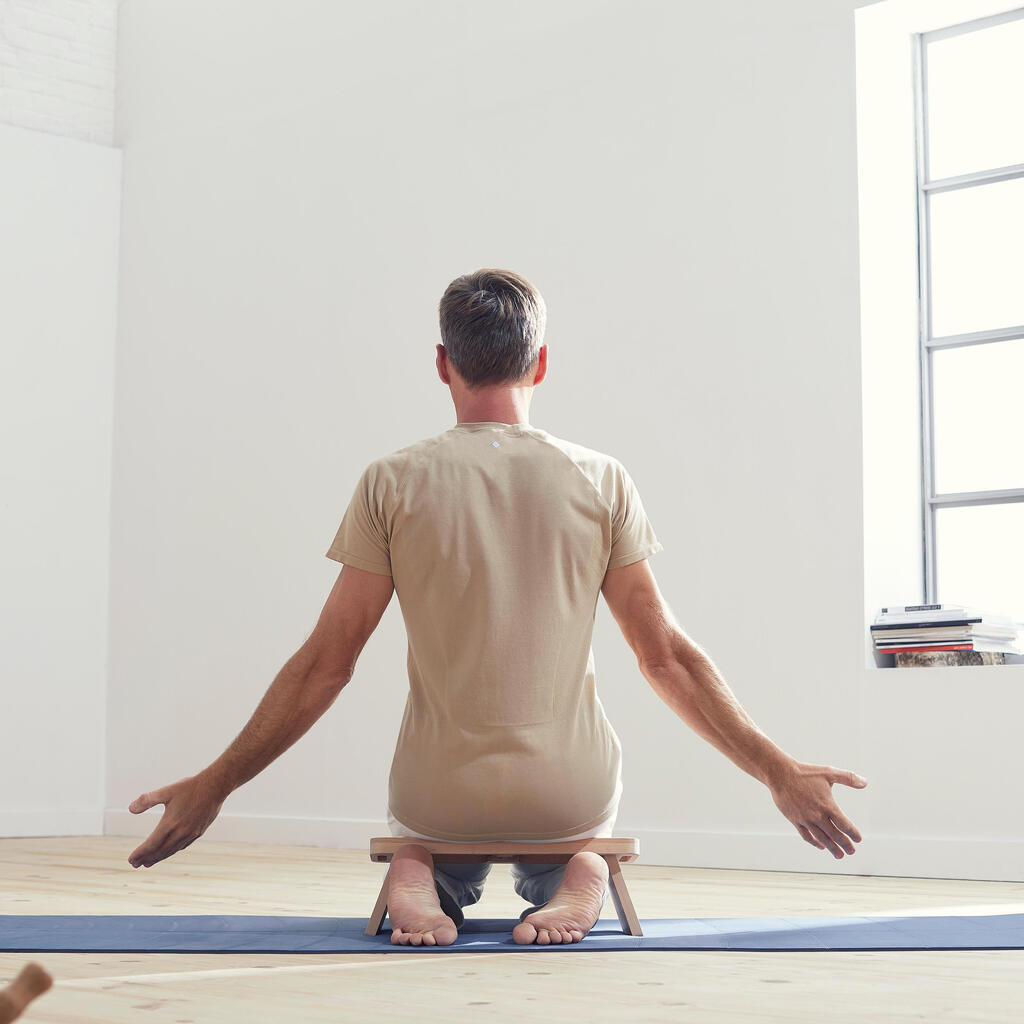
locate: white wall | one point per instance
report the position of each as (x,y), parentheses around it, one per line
(680,180)
(58,274)
(57,60)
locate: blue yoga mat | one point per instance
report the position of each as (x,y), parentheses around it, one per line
(252,934)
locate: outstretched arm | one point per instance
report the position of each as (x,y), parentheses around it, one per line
(304,689)
(684,677)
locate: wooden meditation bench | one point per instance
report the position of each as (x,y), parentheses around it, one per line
(614,851)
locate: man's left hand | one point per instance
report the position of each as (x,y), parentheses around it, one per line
(804,795)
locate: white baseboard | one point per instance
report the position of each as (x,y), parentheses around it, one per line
(51,823)
(974,859)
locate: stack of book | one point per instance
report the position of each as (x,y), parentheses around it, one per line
(919,628)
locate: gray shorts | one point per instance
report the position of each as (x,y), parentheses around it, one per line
(461,885)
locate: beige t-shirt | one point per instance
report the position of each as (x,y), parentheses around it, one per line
(498,537)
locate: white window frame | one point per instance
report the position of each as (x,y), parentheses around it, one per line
(926,188)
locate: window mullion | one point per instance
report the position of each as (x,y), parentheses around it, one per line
(924,321)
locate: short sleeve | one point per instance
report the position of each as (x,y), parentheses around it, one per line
(362,539)
(632,536)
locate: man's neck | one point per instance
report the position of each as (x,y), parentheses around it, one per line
(509,411)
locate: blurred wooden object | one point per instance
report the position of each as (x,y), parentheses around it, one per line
(32,981)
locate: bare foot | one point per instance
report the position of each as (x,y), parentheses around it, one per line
(574,908)
(413,907)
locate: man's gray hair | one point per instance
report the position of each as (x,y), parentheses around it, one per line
(492,326)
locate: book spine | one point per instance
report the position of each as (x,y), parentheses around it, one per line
(903,609)
(930,647)
(922,625)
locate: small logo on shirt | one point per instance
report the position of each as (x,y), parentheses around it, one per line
(494,444)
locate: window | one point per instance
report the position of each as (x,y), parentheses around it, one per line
(970,201)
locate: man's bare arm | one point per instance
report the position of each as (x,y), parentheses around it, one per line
(297,698)
(303,690)
(685,678)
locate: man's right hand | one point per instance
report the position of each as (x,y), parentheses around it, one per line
(190,807)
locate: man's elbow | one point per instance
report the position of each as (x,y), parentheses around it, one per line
(328,668)
(667,653)
(334,673)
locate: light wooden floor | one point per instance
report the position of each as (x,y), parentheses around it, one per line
(92,876)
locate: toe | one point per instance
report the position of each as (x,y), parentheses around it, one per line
(555,935)
(524,933)
(428,939)
(566,937)
(416,938)
(542,937)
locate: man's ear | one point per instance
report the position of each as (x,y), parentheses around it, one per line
(542,364)
(442,364)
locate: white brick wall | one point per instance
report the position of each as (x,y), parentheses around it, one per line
(57,62)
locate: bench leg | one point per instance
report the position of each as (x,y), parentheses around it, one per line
(620,897)
(380,908)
